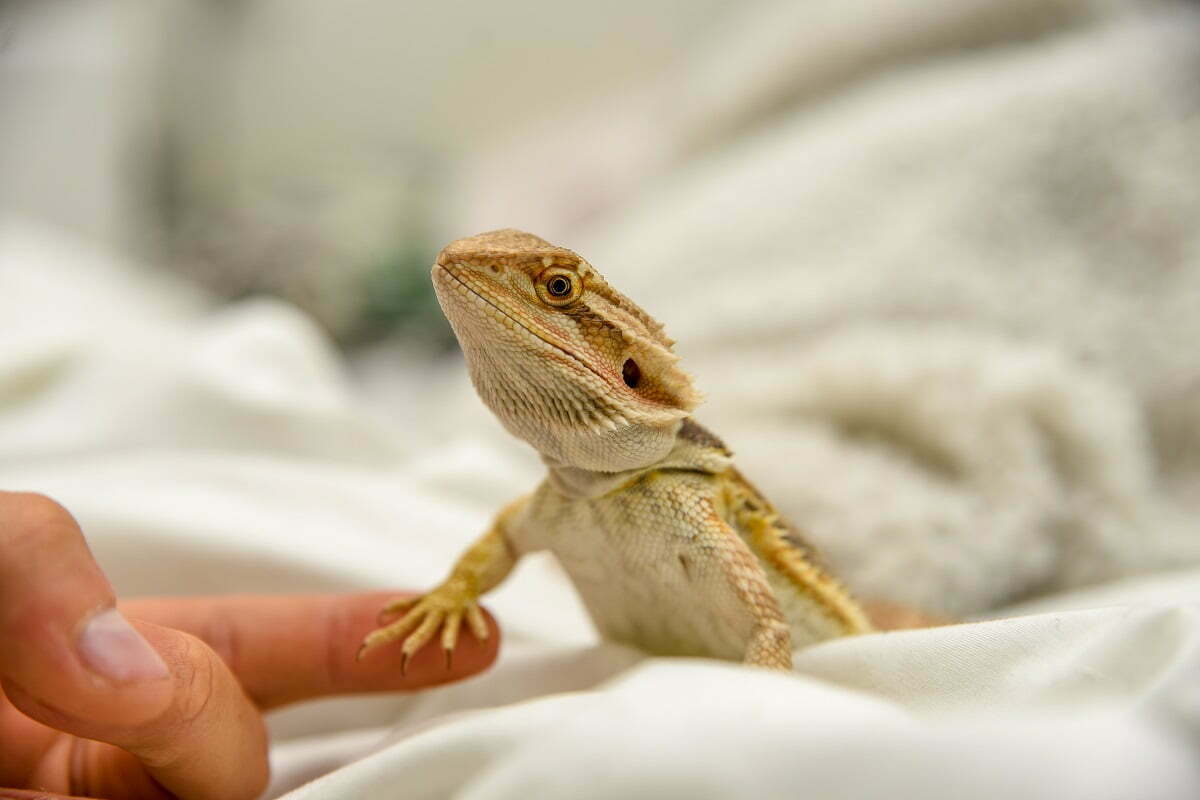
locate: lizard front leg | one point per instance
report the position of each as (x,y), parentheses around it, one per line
(770,643)
(480,569)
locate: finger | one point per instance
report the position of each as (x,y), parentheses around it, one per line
(63,639)
(208,744)
(285,648)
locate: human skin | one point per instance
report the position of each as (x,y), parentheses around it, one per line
(163,698)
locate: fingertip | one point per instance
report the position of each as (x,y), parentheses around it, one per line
(391,669)
(33,511)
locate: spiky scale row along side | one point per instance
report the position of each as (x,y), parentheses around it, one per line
(784,551)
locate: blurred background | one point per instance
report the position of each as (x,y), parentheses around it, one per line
(935,262)
(325,152)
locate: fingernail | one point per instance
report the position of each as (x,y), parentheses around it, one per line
(111,647)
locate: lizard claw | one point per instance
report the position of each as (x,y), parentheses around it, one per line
(394,607)
(444,608)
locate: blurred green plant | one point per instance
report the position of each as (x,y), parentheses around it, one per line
(398,301)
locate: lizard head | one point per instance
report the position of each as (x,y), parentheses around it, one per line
(565,361)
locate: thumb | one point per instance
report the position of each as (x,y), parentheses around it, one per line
(65,642)
(208,744)
(72,661)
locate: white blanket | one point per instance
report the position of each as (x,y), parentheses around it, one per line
(224,451)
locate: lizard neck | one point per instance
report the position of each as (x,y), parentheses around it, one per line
(694,450)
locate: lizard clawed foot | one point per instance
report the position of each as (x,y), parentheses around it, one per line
(394,607)
(445,607)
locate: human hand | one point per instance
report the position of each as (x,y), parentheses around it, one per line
(164,698)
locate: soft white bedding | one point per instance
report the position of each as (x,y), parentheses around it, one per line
(218,451)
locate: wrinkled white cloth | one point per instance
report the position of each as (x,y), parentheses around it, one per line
(224,450)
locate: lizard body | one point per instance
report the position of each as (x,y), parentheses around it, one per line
(670,548)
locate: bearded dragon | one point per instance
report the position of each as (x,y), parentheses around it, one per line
(670,548)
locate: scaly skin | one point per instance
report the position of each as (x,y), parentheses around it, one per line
(671,549)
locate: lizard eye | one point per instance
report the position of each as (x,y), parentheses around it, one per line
(559,287)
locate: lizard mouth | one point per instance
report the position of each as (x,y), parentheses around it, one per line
(521,324)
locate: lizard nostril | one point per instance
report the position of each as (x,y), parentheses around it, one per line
(631,373)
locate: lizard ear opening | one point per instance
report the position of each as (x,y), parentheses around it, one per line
(652,371)
(631,373)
